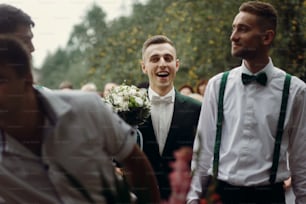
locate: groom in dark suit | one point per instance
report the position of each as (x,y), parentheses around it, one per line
(174,117)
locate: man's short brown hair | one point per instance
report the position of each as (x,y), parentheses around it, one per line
(265,11)
(156,39)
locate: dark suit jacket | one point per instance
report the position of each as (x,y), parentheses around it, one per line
(181,133)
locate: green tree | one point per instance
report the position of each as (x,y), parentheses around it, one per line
(101,51)
(290,44)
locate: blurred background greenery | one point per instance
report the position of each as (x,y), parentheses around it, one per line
(100,51)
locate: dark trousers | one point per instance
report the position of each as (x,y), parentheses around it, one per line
(270,194)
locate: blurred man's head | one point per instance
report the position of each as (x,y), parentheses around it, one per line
(65,85)
(16,22)
(108,87)
(15,76)
(89,87)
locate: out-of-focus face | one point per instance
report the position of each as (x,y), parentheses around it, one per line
(202,89)
(247,36)
(160,64)
(12,90)
(24,33)
(108,87)
(186,91)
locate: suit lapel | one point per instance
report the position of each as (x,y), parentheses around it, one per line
(149,138)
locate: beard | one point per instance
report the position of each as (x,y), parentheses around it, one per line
(244,52)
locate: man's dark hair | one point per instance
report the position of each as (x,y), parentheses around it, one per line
(12,17)
(265,11)
(14,55)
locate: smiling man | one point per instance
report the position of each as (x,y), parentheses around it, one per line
(174,117)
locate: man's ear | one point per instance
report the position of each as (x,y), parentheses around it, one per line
(177,64)
(268,37)
(143,67)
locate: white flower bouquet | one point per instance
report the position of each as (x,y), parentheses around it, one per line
(130,103)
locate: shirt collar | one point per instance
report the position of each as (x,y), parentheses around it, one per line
(53,106)
(268,69)
(170,93)
(11,145)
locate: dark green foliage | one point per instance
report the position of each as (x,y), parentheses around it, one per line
(101,51)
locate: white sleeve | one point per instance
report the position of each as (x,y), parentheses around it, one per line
(297,146)
(119,137)
(204,145)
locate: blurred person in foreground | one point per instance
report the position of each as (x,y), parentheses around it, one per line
(174,117)
(57,147)
(244,141)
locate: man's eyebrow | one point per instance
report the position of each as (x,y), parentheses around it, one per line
(155,55)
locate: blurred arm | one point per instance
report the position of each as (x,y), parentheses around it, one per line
(141,177)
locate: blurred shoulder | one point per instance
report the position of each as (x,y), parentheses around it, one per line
(74,98)
(77,96)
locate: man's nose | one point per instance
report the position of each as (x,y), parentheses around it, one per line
(162,61)
(233,36)
(31,47)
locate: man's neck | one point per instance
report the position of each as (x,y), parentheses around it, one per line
(161,91)
(255,65)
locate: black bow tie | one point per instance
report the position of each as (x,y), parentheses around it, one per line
(260,78)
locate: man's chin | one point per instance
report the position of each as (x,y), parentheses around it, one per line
(237,54)
(164,85)
(163,80)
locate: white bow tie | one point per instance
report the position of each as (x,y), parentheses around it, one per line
(161,100)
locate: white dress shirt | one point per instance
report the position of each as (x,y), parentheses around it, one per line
(161,114)
(251,114)
(81,136)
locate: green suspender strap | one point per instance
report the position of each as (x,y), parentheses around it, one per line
(280,129)
(219,124)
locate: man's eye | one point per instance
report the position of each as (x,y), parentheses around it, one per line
(168,59)
(240,29)
(154,59)
(243,29)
